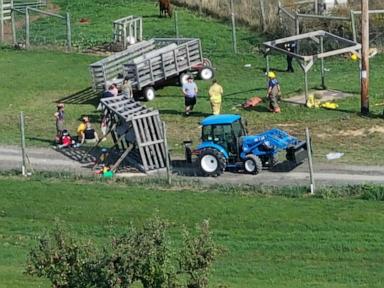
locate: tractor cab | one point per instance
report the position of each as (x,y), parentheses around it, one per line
(224,131)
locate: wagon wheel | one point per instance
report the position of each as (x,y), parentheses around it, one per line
(149,93)
(206,73)
(207,62)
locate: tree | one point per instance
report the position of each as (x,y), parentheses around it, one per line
(140,255)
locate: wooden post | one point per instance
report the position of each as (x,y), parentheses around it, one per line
(176,25)
(201,8)
(69,33)
(310,163)
(262,12)
(234,40)
(169,176)
(1,21)
(306,85)
(13,23)
(364,57)
(141,29)
(297,23)
(316,7)
(22,142)
(27,27)
(353,26)
(322,63)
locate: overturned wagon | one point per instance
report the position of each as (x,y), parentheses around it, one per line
(150,64)
(137,132)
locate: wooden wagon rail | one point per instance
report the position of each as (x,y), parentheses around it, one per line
(137,132)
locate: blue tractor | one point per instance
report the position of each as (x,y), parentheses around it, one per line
(226,145)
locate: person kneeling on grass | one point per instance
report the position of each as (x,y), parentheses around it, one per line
(89,135)
(65,140)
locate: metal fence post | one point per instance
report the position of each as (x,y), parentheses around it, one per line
(176,25)
(22,142)
(167,163)
(234,40)
(309,151)
(27,27)
(69,32)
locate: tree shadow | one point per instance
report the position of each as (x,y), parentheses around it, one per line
(85,96)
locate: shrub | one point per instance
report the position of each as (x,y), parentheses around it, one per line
(141,255)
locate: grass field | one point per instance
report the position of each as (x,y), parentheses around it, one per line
(270,241)
(34,80)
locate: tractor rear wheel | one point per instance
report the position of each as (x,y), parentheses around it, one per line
(211,162)
(253,164)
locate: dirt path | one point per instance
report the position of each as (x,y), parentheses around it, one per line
(45,159)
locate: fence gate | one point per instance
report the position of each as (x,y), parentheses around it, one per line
(5,14)
(128,30)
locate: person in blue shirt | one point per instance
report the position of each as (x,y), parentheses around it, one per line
(190,93)
(273,92)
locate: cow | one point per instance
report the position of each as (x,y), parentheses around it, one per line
(165,8)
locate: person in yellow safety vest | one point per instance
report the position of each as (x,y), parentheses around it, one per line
(215,97)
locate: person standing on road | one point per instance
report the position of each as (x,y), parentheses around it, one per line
(273,92)
(215,97)
(59,116)
(190,93)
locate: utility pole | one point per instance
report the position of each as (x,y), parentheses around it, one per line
(364,57)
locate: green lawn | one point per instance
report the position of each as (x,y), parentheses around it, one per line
(270,241)
(34,80)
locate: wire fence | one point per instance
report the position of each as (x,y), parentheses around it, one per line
(35,27)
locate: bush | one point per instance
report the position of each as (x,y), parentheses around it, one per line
(141,255)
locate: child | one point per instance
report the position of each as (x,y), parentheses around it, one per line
(66,140)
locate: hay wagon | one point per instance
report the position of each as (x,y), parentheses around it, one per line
(151,64)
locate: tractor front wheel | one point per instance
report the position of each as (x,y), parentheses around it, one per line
(211,162)
(253,164)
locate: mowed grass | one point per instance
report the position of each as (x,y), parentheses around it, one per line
(34,80)
(269,241)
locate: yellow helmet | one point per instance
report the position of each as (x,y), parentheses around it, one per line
(271,74)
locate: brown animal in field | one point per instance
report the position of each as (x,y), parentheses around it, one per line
(165,8)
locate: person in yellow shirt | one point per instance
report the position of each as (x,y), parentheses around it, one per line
(215,97)
(81,128)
